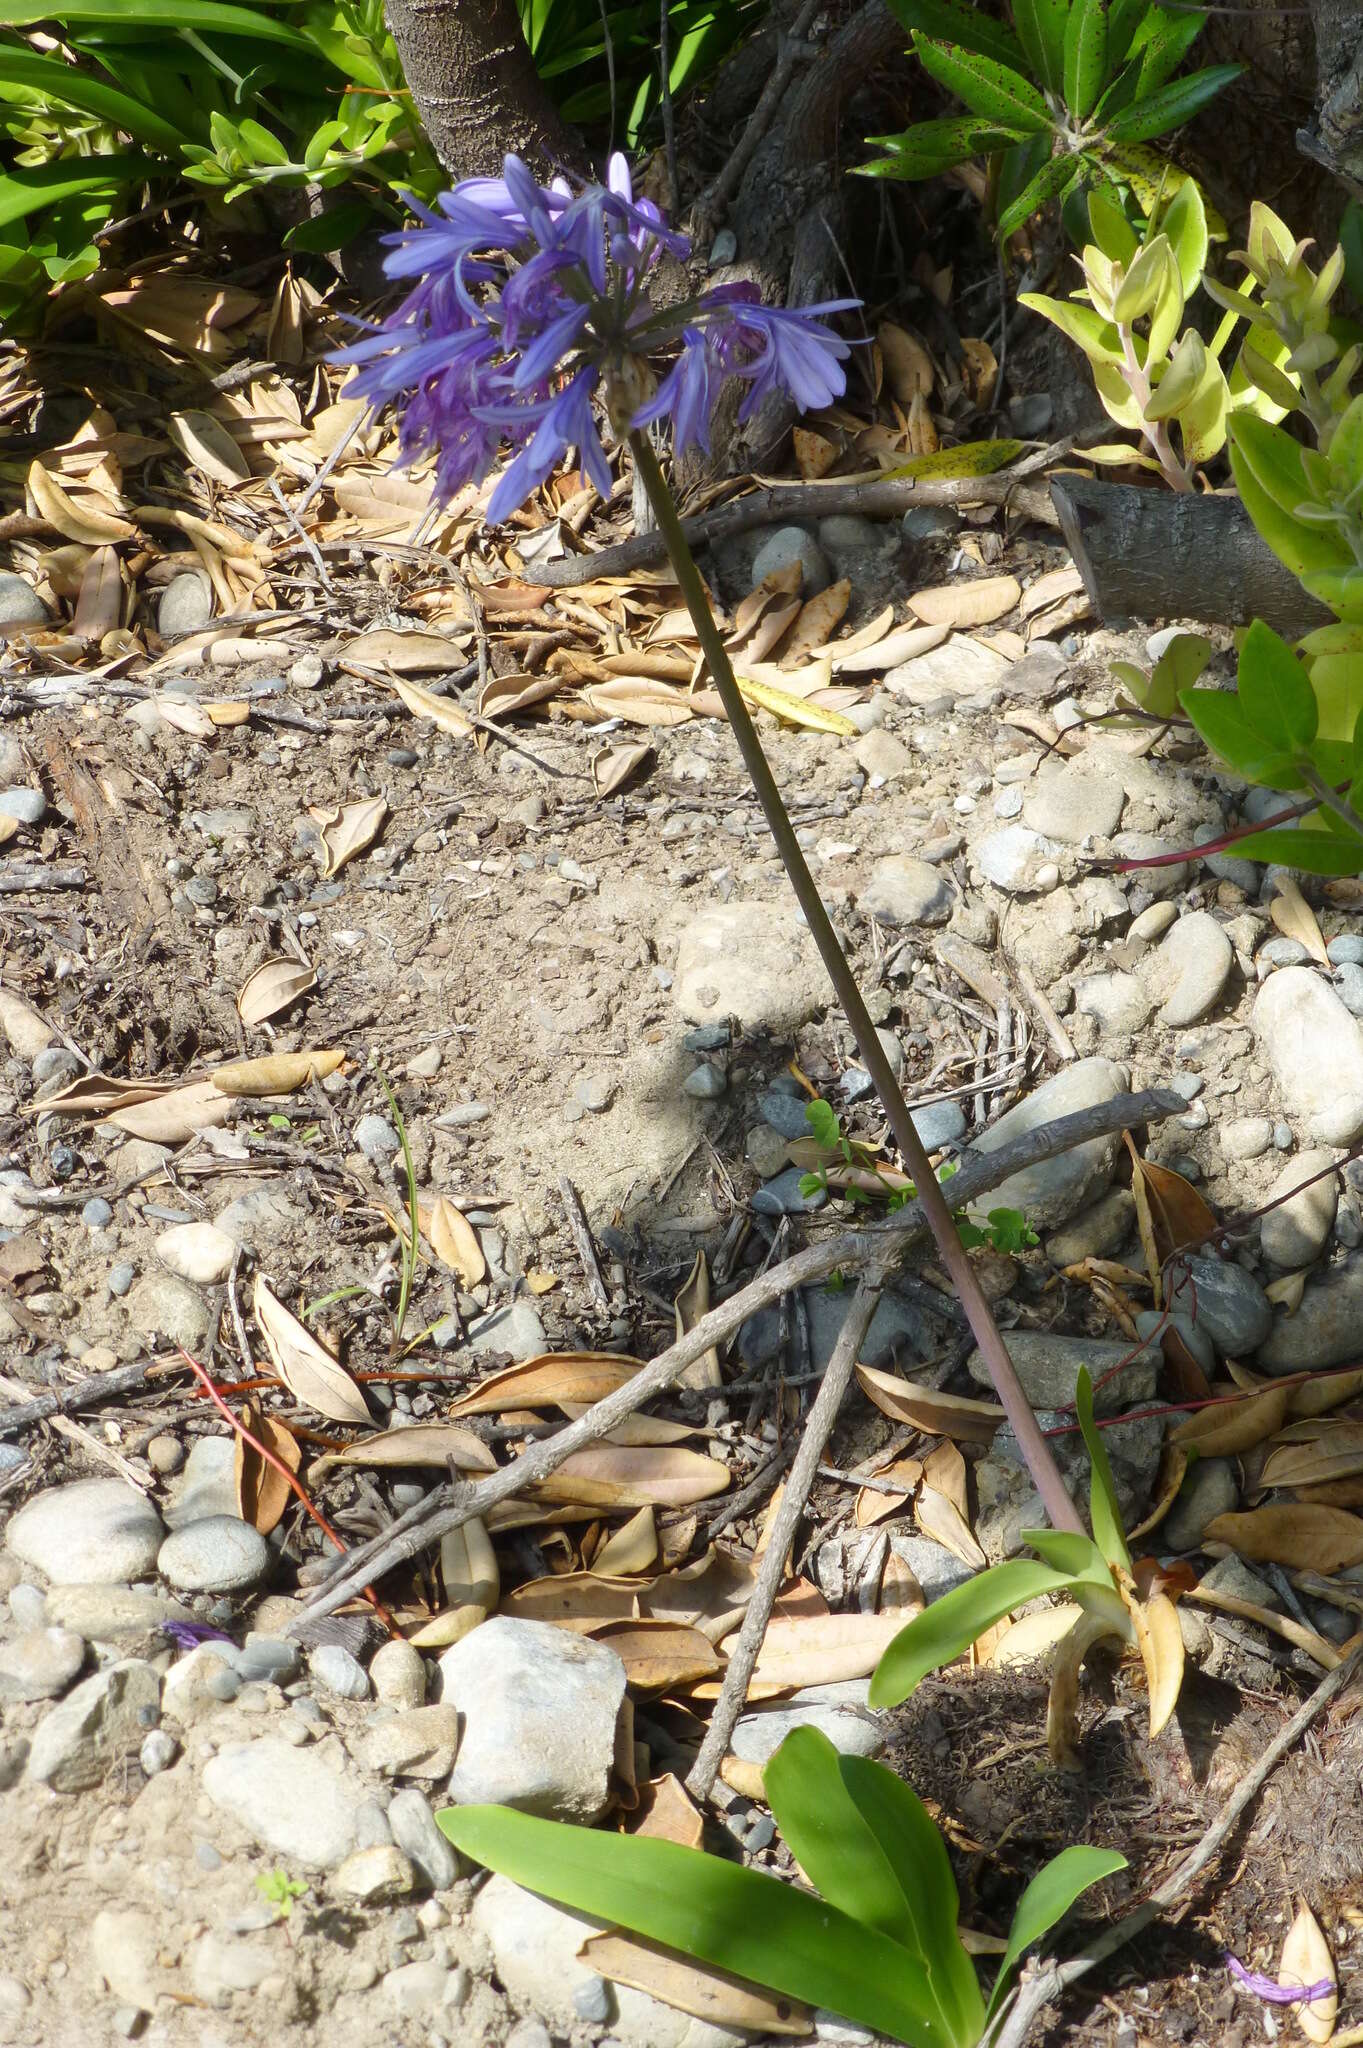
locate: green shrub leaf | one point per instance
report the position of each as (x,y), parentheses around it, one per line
(993,91)
(1172,105)
(1086,58)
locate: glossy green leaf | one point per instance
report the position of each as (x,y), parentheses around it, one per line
(1104,1509)
(931,147)
(992,90)
(1111,230)
(1172,104)
(1275,690)
(1098,338)
(1066,1550)
(1306,550)
(876,1856)
(1041,29)
(755,1927)
(1141,286)
(1184,222)
(1313,852)
(1346,448)
(1085,56)
(1336,688)
(332,229)
(968,26)
(1046,1901)
(1052,181)
(30,188)
(69,86)
(1220,718)
(1162,41)
(950,1624)
(204,16)
(1183,378)
(1340,588)
(1340,638)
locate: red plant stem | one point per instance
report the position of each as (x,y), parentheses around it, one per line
(1231,838)
(291,1479)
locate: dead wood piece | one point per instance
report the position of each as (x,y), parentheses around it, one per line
(89,1393)
(450,1506)
(582,1238)
(1156,554)
(18,876)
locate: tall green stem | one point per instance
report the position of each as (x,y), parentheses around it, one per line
(1040,1463)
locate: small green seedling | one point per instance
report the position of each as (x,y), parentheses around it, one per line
(280,1890)
(876,1941)
(1007,1230)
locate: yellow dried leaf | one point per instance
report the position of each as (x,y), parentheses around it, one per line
(793,710)
(278,1073)
(976,602)
(631,1548)
(1306,1960)
(454,1241)
(908,366)
(814,627)
(90,527)
(1295,919)
(206,443)
(1303,1535)
(349,830)
(953,1415)
(442,711)
(274,987)
(623,1476)
(613,767)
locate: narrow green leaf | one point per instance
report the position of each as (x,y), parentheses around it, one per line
(931,147)
(1313,852)
(69,86)
(1162,41)
(1104,1510)
(1172,105)
(330,230)
(1052,181)
(1086,59)
(1065,1550)
(756,1927)
(1275,690)
(31,188)
(1098,338)
(1047,1900)
(993,91)
(1220,718)
(947,23)
(205,16)
(1041,27)
(949,1625)
(1346,448)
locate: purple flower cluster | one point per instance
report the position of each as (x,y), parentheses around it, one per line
(526,296)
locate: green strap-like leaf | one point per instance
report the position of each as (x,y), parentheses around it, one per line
(968,26)
(205,16)
(1315,853)
(1052,181)
(1086,58)
(1041,27)
(69,86)
(1161,42)
(1172,105)
(1046,1901)
(1104,1511)
(931,147)
(30,188)
(993,91)
(949,1625)
(755,1927)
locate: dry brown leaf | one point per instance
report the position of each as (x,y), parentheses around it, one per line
(641,700)
(404,654)
(977,601)
(1334,1455)
(776,588)
(1295,919)
(579,1600)
(469,1570)
(185,715)
(691,1305)
(454,1241)
(1048,589)
(773,628)
(1169,1480)
(231,711)
(708,1995)
(659,1656)
(1318,1396)
(502,696)
(824,1649)
(667,1813)
(424,1444)
(886,652)
(979,371)
(874,1506)
(866,636)
(442,711)
(91,1093)
(278,1073)
(1233,1426)
(623,1476)
(273,988)
(207,445)
(814,454)
(308,1370)
(90,526)
(348,830)
(613,767)
(1170,1213)
(171,1118)
(943,1521)
(1286,1292)
(907,365)
(1306,1960)
(813,629)
(99,601)
(636,1429)
(263,1492)
(631,1548)
(1160,1641)
(939,1414)
(548,1381)
(1304,1536)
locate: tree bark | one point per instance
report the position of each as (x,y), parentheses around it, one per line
(476,87)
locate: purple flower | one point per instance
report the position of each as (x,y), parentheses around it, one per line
(187,1635)
(529,303)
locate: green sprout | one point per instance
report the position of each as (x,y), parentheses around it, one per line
(1007,1230)
(280,1890)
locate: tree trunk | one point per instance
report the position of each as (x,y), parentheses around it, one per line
(476,88)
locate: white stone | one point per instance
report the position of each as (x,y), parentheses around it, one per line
(540,1714)
(397,1672)
(1190,969)
(1013,858)
(1315,1049)
(93,1532)
(1298,1230)
(1072,805)
(1056,1189)
(40,1663)
(197,1251)
(752,961)
(287,1799)
(903,890)
(125,1952)
(418,1744)
(103,1720)
(207,1485)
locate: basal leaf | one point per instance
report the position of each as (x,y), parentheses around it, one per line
(1047,1900)
(67,85)
(734,1919)
(949,1625)
(1104,1510)
(992,90)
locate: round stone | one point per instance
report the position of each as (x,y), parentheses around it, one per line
(94,1532)
(217,1555)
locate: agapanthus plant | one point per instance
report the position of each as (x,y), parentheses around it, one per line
(529,303)
(532,301)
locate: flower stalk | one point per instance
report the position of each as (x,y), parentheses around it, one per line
(1031,1442)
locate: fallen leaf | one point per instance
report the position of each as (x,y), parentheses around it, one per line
(613,767)
(28,1032)
(708,1995)
(977,601)
(776,588)
(1233,1426)
(866,636)
(691,1305)
(548,1381)
(1170,1213)
(90,527)
(1286,1292)
(616,1476)
(943,1521)
(641,700)
(1295,919)
(404,654)
(277,1073)
(659,1656)
(263,1493)
(814,454)
(824,1649)
(814,626)
(431,1445)
(469,1570)
(348,830)
(171,1118)
(308,1370)
(873,1505)
(907,365)
(186,716)
(1336,1454)
(1317,1396)
(502,696)
(576,1599)
(667,1813)
(886,651)
(631,1548)
(1304,1536)
(979,371)
(1306,1960)
(1168,1483)
(785,705)
(1049,588)
(207,445)
(273,988)
(89,1094)
(454,1240)
(953,1415)
(442,711)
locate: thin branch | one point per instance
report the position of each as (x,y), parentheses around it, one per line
(450,1506)
(1049,1983)
(818,1427)
(1334,800)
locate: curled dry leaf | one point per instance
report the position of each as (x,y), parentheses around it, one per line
(1173,1466)
(874,1506)
(667,1813)
(1306,1960)
(690,1306)
(814,454)
(1302,1535)
(171,1118)
(905,645)
(308,1370)
(1160,1641)
(1031,1638)
(622,1476)
(825,1649)
(419,1444)
(641,700)
(976,602)
(403,654)
(469,1570)
(613,767)
(939,1518)
(1062,1705)
(205,443)
(185,715)
(1336,1454)
(907,365)
(348,830)
(1286,1292)
(979,371)
(1233,1426)
(277,1073)
(631,1548)
(273,988)
(1170,1213)
(91,1094)
(659,1656)
(707,1995)
(263,1492)
(817,619)
(441,711)
(548,1381)
(85,524)
(1317,1396)
(939,1414)
(1295,919)
(454,1240)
